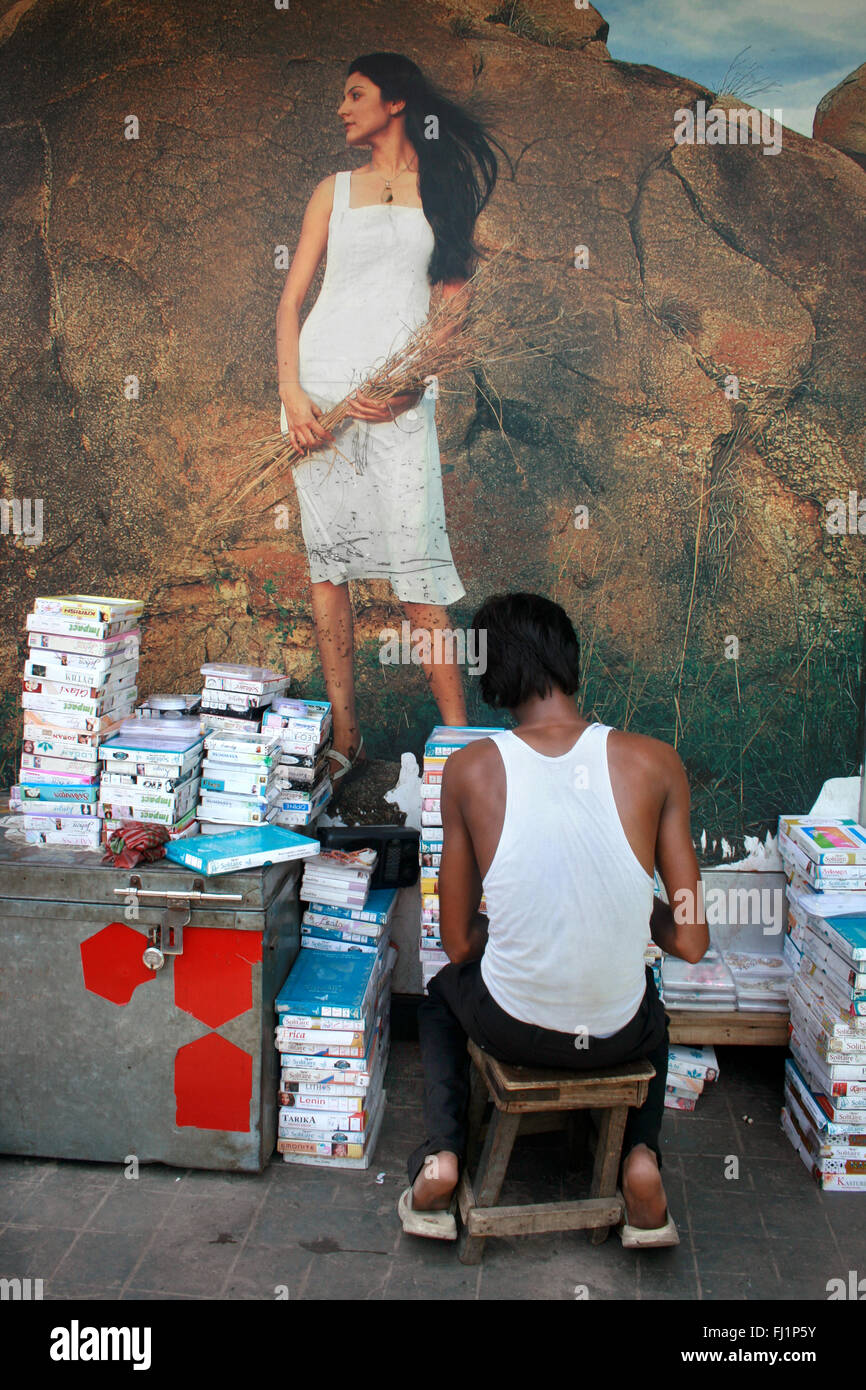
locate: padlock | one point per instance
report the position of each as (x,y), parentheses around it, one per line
(167,938)
(153,958)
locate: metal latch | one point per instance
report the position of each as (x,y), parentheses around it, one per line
(166,939)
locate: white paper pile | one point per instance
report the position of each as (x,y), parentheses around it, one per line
(339,878)
(653,956)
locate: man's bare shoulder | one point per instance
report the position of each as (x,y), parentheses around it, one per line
(651,754)
(476,760)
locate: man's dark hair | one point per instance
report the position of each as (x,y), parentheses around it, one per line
(531,647)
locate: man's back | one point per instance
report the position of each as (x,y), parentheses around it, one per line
(566,860)
(641,774)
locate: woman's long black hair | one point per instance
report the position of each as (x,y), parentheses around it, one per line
(457,167)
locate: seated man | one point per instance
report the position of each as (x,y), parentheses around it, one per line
(562,822)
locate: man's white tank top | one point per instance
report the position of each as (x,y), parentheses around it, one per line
(568,901)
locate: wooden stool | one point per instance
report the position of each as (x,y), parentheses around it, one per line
(520,1091)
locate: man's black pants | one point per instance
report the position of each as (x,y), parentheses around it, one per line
(459,1005)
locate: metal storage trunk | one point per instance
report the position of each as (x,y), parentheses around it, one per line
(102,1057)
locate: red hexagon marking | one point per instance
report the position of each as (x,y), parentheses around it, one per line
(112,964)
(213,978)
(213,1085)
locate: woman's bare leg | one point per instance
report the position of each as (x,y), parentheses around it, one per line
(332,615)
(444,677)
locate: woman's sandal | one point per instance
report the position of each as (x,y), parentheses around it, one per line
(437,1225)
(347,766)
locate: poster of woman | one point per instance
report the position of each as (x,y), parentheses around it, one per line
(401,223)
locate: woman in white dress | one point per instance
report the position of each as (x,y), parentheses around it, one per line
(391,230)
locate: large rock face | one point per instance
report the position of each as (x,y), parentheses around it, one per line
(840,117)
(713,408)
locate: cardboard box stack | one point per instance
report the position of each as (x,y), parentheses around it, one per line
(340,927)
(302,771)
(689,1069)
(824,1111)
(333,1035)
(443,741)
(151,772)
(79,684)
(238,782)
(236,698)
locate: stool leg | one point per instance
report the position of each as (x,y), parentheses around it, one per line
(477,1102)
(501,1133)
(611,1131)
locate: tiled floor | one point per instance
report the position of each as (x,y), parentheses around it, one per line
(767,1232)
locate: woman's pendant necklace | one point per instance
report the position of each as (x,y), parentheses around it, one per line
(387,195)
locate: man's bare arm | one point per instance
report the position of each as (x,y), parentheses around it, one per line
(462,927)
(680,929)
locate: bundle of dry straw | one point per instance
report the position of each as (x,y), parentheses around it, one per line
(473,329)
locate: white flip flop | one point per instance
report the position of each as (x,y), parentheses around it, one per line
(639,1237)
(437,1225)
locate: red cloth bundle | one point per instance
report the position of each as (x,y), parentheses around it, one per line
(133,843)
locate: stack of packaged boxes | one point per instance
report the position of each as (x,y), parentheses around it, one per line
(707,986)
(443,741)
(760,979)
(285,782)
(79,684)
(236,698)
(238,780)
(824,1112)
(151,773)
(339,878)
(333,1035)
(689,1069)
(346,916)
(303,779)
(329,927)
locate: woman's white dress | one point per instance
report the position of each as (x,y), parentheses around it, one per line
(384,517)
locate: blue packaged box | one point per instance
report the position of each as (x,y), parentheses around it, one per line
(328,984)
(242,849)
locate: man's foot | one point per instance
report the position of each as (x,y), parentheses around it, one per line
(434,1186)
(646,1204)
